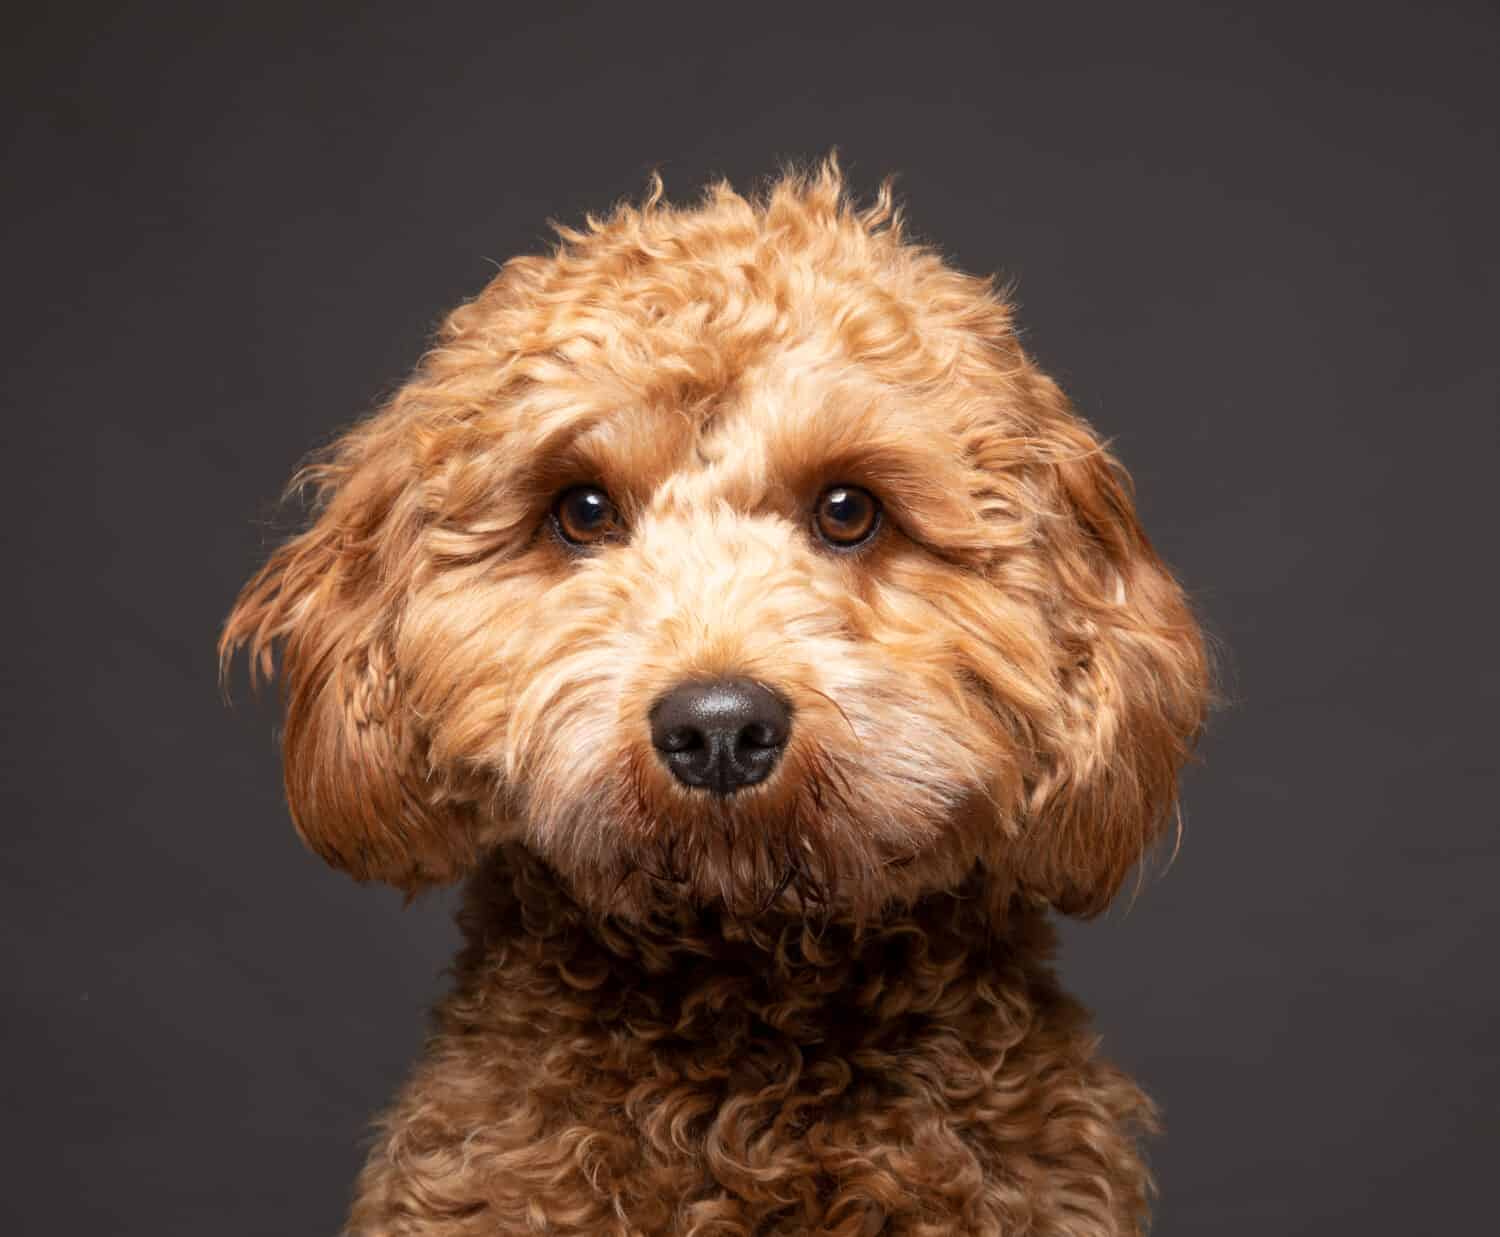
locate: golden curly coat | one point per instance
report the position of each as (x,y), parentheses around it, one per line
(820,1004)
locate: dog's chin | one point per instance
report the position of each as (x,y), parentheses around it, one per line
(759,855)
(709,855)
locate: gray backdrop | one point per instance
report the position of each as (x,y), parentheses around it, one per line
(1258,249)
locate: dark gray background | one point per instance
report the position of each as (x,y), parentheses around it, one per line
(1258,249)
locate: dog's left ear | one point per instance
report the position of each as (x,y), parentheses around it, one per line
(1132,671)
(327,606)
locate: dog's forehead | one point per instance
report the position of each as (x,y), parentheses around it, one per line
(797,416)
(695,392)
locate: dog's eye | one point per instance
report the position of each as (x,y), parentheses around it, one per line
(846,516)
(584,515)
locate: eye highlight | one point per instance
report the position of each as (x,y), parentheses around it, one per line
(846,516)
(585,515)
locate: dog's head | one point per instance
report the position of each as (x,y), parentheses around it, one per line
(739,555)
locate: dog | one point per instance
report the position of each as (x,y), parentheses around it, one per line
(731,602)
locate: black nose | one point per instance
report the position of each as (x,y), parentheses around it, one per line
(721,734)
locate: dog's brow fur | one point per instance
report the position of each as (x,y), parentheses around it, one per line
(823,1004)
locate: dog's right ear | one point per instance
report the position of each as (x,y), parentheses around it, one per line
(326,606)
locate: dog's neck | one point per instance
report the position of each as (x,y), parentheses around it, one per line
(943,952)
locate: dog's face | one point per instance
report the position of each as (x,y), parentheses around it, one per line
(731,555)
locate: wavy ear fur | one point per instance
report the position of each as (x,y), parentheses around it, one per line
(328,602)
(1135,677)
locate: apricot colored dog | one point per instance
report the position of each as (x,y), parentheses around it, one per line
(735,606)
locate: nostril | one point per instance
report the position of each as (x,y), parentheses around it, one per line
(761,734)
(682,739)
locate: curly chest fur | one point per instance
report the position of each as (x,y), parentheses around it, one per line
(724,1077)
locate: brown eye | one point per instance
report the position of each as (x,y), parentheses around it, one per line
(584,515)
(846,516)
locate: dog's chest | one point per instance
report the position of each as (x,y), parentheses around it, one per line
(921,1080)
(706,1099)
(724,1116)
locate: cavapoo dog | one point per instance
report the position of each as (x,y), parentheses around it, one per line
(736,607)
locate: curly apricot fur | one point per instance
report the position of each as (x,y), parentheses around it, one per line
(821,1005)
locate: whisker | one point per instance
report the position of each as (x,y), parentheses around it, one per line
(842,714)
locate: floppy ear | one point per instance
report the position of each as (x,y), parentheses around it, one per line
(1133,675)
(329,602)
